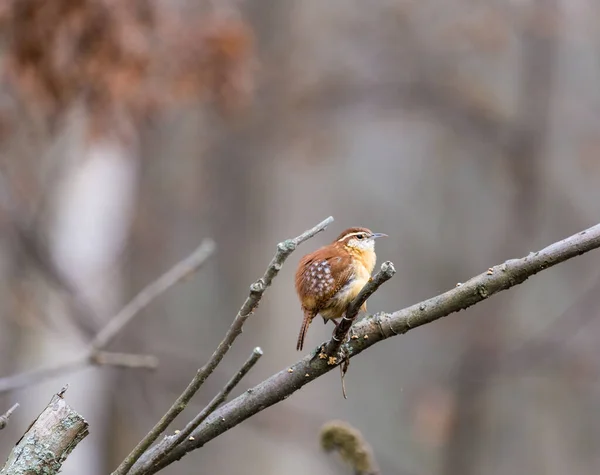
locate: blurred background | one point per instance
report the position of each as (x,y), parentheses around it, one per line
(467,130)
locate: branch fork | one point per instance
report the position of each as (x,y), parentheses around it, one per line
(257,290)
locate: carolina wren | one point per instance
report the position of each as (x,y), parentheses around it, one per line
(328,279)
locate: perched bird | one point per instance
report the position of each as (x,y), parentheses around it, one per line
(328,279)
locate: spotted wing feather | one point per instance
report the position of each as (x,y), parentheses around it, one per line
(320,277)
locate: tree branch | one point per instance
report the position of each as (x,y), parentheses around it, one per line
(168,443)
(257,289)
(48,442)
(124,360)
(37,376)
(372,330)
(97,358)
(180,271)
(93,354)
(6,416)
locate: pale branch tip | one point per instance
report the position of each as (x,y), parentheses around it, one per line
(63,391)
(305,236)
(163,448)
(257,290)
(388,268)
(6,416)
(370,331)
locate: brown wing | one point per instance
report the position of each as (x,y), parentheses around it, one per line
(320,276)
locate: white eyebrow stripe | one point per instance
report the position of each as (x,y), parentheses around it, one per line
(351,234)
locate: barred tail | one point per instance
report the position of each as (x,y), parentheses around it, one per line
(308,316)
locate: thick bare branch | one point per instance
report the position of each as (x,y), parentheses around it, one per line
(372,330)
(6,416)
(48,442)
(257,289)
(93,354)
(170,442)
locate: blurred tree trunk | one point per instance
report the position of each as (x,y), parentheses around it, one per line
(88,228)
(466,449)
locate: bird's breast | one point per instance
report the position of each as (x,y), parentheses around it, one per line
(337,304)
(355,284)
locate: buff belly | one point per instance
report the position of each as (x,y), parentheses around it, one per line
(336,306)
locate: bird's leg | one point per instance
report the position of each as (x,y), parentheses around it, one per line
(335,322)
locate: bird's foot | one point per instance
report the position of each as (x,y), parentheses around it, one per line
(319,352)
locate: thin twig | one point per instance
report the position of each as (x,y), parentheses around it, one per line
(386,273)
(257,289)
(168,443)
(93,354)
(124,360)
(6,416)
(100,358)
(40,375)
(372,330)
(181,270)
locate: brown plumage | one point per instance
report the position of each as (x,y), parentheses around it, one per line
(328,279)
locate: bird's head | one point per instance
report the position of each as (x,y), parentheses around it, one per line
(359,239)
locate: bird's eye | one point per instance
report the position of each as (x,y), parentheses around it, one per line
(360,236)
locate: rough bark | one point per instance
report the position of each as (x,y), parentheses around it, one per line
(48,441)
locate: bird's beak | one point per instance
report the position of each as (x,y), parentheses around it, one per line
(378,235)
